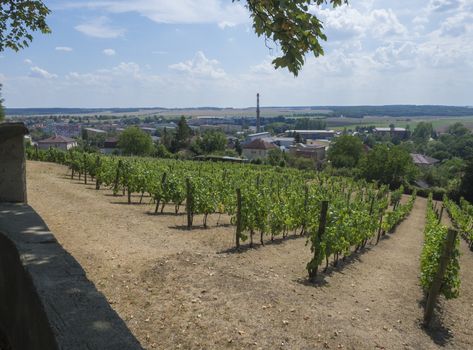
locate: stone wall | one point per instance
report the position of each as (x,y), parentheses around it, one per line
(47,302)
(12,162)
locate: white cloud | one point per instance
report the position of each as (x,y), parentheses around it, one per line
(346,22)
(444,5)
(109,77)
(63,48)
(28,61)
(109,52)
(36,72)
(200,66)
(100,28)
(225,14)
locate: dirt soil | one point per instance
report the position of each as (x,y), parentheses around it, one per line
(187,289)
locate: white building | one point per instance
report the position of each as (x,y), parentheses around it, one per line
(61,142)
(313,134)
(257,149)
(259,135)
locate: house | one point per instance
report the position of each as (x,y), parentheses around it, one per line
(282,141)
(148,130)
(312,134)
(61,142)
(257,149)
(315,152)
(110,145)
(226,128)
(259,135)
(94,132)
(66,129)
(423,160)
(400,132)
(169,126)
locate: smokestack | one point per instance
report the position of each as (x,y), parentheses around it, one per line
(258,122)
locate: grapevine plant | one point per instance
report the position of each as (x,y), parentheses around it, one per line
(434,240)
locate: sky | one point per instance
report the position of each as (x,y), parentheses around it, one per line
(194,53)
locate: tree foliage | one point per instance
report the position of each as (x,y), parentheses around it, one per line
(182,136)
(422,132)
(310,124)
(390,166)
(134,141)
(466,186)
(18,19)
(212,141)
(345,151)
(292,26)
(458,129)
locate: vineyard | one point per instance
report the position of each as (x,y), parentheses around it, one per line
(338,215)
(174,286)
(462,217)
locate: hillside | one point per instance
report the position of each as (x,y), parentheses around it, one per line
(181,289)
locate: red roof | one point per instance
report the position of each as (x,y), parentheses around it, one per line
(57,139)
(259,144)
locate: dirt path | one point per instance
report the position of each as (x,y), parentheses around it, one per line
(181,289)
(458,313)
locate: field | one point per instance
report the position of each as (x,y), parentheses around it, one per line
(439,123)
(185,289)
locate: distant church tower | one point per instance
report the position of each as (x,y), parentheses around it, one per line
(258,121)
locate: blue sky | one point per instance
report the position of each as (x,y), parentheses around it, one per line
(189,53)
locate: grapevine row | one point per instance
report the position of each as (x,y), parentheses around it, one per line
(462,217)
(435,235)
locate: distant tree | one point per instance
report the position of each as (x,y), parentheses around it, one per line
(2,110)
(391,166)
(297,138)
(310,124)
(134,141)
(167,138)
(466,185)
(213,141)
(370,141)
(162,152)
(422,132)
(458,129)
(276,157)
(182,136)
(238,147)
(277,127)
(18,18)
(345,151)
(84,134)
(438,150)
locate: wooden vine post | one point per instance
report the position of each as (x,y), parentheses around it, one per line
(441,214)
(189,204)
(379,228)
(434,291)
(238,219)
(306,203)
(85,168)
(314,264)
(117,178)
(97,180)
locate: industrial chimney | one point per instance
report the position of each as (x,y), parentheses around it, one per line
(258,121)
